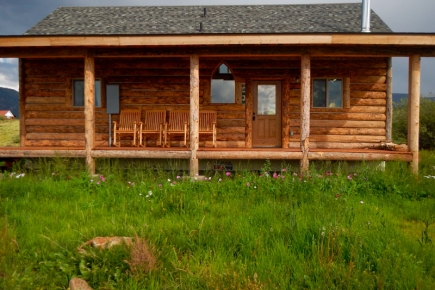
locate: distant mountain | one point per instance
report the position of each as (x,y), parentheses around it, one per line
(398,97)
(9,101)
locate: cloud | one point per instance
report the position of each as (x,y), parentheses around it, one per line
(9,74)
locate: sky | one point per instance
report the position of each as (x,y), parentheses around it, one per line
(17,16)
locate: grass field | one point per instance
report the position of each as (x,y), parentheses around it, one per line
(9,132)
(333,229)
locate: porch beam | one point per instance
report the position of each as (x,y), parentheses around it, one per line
(194,114)
(305,111)
(248,113)
(389,112)
(414,110)
(89,80)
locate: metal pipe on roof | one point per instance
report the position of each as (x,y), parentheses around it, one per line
(365,21)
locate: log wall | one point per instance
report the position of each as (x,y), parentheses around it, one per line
(163,83)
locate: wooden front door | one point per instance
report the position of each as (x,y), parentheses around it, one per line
(266,117)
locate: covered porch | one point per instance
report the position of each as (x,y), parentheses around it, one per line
(304,130)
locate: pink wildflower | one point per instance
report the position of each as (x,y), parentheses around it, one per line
(228,173)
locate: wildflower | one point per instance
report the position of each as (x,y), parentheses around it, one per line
(355,174)
(169,180)
(102,178)
(337,196)
(220,179)
(91,180)
(160,185)
(98,182)
(255,186)
(295,174)
(150,193)
(248,184)
(275,175)
(53,173)
(174,183)
(140,194)
(349,177)
(361,201)
(228,173)
(20,175)
(209,178)
(178,176)
(283,170)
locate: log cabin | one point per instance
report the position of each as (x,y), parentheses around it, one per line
(287,82)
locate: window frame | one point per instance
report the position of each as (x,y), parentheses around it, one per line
(97,96)
(327,105)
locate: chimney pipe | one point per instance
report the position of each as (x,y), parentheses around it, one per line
(365,21)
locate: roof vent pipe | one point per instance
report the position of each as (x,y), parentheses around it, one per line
(365,21)
(205,11)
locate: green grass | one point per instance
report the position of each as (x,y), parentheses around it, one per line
(333,229)
(9,132)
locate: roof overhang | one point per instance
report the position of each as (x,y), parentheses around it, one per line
(217,39)
(393,44)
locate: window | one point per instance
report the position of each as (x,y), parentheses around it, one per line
(79,93)
(223,86)
(327,93)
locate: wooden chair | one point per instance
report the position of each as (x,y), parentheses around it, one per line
(178,124)
(129,121)
(153,125)
(207,124)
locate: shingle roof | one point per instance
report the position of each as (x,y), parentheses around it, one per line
(138,20)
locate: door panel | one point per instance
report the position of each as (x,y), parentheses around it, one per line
(266,124)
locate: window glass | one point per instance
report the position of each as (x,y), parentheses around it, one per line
(327,93)
(223,89)
(79,93)
(266,100)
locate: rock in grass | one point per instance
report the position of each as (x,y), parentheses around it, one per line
(79,284)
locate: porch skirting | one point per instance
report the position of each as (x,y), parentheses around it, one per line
(209,153)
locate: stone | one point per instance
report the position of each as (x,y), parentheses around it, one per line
(79,284)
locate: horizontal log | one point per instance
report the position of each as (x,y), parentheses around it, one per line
(231,130)
(119,153)
(148,96)
(64,129)
(342,138)
(55,122)
(368,87)
(54,143)
(52,107)
(39,152)
(230,114)
(245,154)
(344,116)
(55,136)
(368,102)
(162,100)
(157,87)
(50,79)
(223,107)
(46,100)
(359,156)
(341,123)
(223,123)
(231,137)
(337,145)
(369,79)
(342,131)
(100,114)
(353,109)
(45,86)
(367,95)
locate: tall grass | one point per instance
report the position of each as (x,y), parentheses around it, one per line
(335,228)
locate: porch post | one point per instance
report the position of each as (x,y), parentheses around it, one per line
(305,110)
(414,110)
(22,94)
(389,113)
(194,113)
(248,113)
(89,111)
(285,113)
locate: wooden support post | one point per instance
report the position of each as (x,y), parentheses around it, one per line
(248,113)
(305,110)
(22,94)
(414,112)
(89,111)
(194,113)
(285,113)
(389,112)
